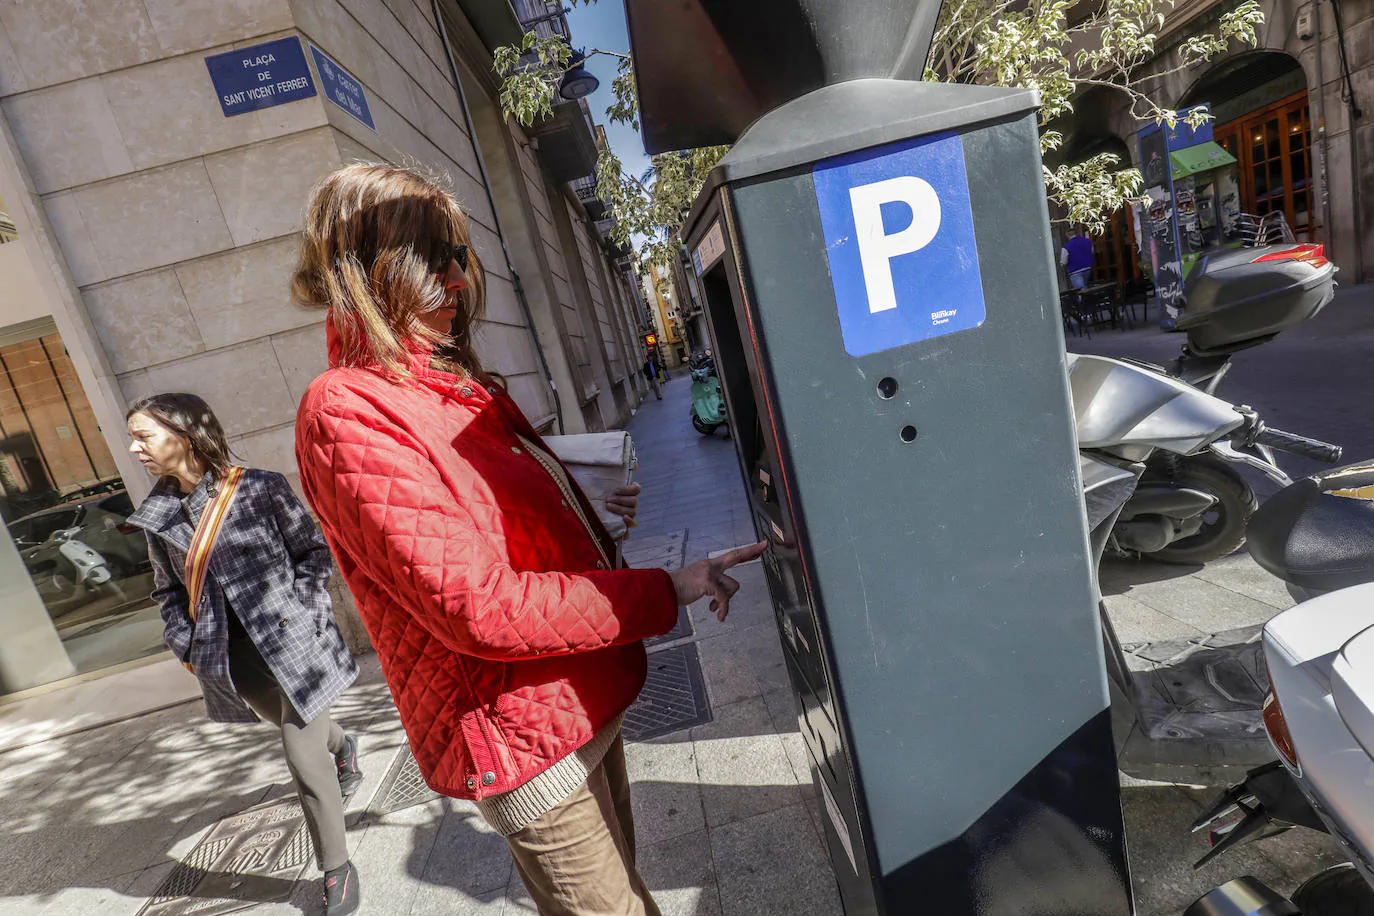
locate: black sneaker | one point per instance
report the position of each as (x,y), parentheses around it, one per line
(350,777)
(342,894)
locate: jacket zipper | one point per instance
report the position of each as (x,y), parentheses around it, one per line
(546,461)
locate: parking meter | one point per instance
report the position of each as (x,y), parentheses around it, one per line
(881,294)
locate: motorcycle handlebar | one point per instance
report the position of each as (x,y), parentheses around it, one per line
(1299,445)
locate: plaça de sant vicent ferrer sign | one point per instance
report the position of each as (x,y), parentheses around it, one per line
(272,73)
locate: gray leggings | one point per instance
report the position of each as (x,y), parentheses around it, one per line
(311,748)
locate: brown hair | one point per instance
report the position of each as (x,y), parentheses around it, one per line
(190,418)
(365,253)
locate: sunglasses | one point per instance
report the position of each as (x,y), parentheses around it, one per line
(442,252)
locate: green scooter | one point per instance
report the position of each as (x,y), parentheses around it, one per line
(708,407)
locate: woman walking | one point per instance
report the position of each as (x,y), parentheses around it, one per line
(512,643)
(240,570)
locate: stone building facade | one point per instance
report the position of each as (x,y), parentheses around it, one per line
(1297,112)
(154,233)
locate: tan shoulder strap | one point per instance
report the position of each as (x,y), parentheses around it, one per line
(207,531)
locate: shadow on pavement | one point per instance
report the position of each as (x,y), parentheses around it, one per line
(1116,576)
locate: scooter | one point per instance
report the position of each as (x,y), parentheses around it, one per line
(80,568)
(1189,503)
(1318,536)
(1194,509)
(1195,717)
(708,406)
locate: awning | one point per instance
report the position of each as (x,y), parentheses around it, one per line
(1200,158)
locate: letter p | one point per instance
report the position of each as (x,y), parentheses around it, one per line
(876,247)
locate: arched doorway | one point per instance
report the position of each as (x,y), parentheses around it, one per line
(1091,131)
(1259,103)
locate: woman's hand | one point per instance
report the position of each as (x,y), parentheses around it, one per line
(624,502)
(707,577)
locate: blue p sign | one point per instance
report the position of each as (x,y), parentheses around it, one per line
(899,236)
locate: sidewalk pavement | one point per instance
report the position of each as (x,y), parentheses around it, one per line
(725,812)
(102,820)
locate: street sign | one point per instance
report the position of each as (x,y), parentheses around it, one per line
(341,88)
(899,238)
(272,73)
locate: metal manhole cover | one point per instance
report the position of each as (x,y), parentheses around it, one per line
(254,857)
(674,696)
(402,787)
(682,628)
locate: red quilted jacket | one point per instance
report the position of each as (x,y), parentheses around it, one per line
(506,641)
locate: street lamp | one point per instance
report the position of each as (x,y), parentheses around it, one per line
(577,81)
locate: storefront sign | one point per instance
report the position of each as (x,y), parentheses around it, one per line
(1182,136)
(1161,220)
(341,88)
(272,73)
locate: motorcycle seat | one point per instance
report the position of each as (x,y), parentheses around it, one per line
(1318,533)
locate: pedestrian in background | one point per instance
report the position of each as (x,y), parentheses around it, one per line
(240,569)
(1076,257)
(512,642)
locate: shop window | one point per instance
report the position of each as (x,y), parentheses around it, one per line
(1273,149)
(65,509)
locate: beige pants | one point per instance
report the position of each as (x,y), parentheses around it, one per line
(579,858)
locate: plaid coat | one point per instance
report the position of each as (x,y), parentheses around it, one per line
(271,566)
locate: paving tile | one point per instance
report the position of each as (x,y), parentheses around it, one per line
(431,900)
(743,764)
(773,865)
(71,901)
(705,624)
(1208,607)
(764,646)
(468,855)
(680,875)
(666,792)
(395,851)
(728,669)
(662,550)
(1136,622)
(1241,574)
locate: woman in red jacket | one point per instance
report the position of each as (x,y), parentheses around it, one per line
(511,642)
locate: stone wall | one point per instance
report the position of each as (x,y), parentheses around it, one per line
(167,231)
(1346,178)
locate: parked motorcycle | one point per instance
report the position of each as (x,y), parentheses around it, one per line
(1188,503)
(708,405)
(1193,509)
(1196,719)
(1318,714)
